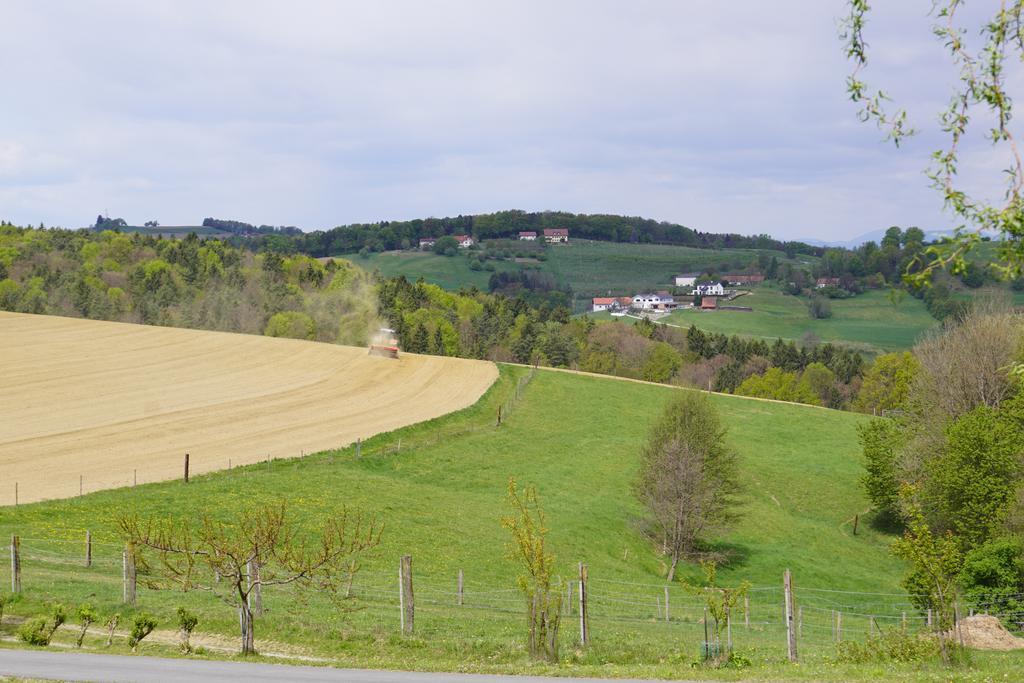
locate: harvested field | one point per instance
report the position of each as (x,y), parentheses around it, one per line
(100,400)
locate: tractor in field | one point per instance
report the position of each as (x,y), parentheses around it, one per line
(384,343)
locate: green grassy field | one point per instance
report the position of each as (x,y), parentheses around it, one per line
(595,268)
(869,321)
(591,268)
(450,272)
(442,497)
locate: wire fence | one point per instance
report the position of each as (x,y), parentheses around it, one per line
(650,618)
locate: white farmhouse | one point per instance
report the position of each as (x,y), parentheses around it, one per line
(465,241)
(709,288)
(656,301)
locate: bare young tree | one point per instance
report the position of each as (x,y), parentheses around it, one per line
(967,362)
(261,548)
(688,479)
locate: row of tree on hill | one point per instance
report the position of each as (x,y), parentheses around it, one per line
(390,235)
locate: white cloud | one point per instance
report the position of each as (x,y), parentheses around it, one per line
(722,116)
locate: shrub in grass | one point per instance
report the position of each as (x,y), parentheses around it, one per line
(34,632)
(86,616)
(40,630)
(186,624)
(142,626)
(891,646)
(112,626)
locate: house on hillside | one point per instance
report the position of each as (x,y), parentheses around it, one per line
(528,235)
(657,301)
(823,282)
(687,279)
(427,242)
(709,288)
(734,279)
(556,235)
(709,303)
(465,241)
(611,303)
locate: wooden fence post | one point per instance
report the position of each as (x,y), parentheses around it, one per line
(666,604)
(568,597)
(255,588)
(584,626)
(80,485)
(186,468)
(800,622)
(460,588)
(929,617)
(746,611)
(135,477)
(359,448)
(15,564)
(128,574)
(88,548)
(903,621)
(405,596)
(787,586)
(839,627)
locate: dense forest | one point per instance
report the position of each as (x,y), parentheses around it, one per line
(389,235)
(203,284)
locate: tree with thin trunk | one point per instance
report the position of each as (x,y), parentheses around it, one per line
(543,593)
(688,480)
(176,554)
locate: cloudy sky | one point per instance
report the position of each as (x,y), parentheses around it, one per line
(724,116)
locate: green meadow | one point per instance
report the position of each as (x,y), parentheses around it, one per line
(441,498)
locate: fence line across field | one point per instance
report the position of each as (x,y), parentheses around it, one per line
(595,607)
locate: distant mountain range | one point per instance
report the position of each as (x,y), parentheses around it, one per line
(875,236)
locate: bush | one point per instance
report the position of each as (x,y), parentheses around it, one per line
(86,616)
(141,627)
(819,308)
(186,624)
(892,646)
(35,632)
(39,631)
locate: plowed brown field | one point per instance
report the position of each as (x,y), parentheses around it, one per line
(109,402)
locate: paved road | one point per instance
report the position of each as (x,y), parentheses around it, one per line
(77,666)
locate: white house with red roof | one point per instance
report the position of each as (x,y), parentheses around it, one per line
(556,235)
(528,235)
(465,241)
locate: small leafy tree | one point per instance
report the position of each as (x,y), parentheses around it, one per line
(528,547)
(719,602)
(688,480)
(261,538)
(935,564)
(86,616)
(880,441)
(819,308)
(142,626)
(186,624)
(111,626)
